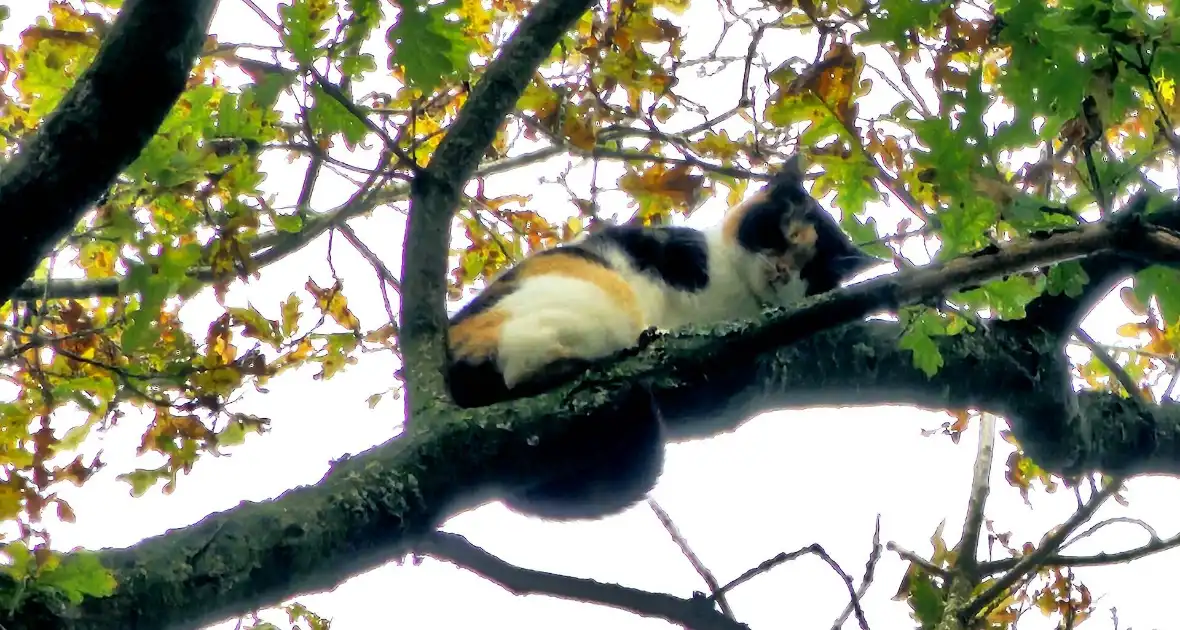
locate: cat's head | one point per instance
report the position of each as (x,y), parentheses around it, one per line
(784,223)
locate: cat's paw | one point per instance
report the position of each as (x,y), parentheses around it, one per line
(647,337)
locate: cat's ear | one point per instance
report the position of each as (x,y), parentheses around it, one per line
(795,166)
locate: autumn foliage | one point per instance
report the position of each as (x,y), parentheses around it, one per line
(977,124)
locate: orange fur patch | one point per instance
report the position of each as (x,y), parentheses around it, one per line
(477,337)
(604,278)
(734,216)
(801,239)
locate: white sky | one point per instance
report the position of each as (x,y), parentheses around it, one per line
(783,481)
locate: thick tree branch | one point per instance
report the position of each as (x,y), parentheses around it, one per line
(692,614)
(378,505)
(434,192)
(99,128)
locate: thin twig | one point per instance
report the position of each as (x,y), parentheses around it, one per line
(913,557)
(697,565)
(1100,559)
(866,581)
(784,557)
(1103,356)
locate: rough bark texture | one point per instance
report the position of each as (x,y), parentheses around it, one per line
(99,128)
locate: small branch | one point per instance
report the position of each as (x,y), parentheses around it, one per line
(913,557)
(266,18)
(1056,560)
(334,91)
(1154,535)
(866,581)
(269,249)
(697,565)
(386,275)
(693,614)
(980,487)
(1120,374)
(688,160)
(1032,561)
(782,558)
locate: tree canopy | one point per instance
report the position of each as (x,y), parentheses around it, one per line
(1027,147)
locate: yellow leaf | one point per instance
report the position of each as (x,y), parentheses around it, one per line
(1129,330)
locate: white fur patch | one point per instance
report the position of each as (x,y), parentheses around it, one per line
(552,317)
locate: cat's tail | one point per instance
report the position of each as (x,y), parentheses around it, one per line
(596,468)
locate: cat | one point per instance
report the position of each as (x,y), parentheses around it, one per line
(584,301)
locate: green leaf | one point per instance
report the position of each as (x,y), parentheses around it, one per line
(290,223)
(920,325)
(143,479)
(302,28)
(1164,284)
(1007,297)
(154,288)
(329,116)
(427,46)
(21,565)
(1068,278)
(79,575)
(290,310)
(926,600)
(892,20)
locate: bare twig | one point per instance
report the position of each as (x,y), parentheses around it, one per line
(688,613)
(269,248)
(784,557)
(697,565)
(1120,374)
(913,557)
(1156,545)
(866,581)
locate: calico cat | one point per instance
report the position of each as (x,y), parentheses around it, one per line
(586,300)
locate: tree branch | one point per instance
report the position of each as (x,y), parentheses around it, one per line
(1033,560)
(100,127)
(434,192)
(1156,545)
(269,249)
(693,614)
(980,487)
(374,507)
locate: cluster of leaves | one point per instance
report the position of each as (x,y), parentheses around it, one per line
(188,214)
(1054,591)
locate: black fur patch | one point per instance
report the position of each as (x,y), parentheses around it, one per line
(599,469)
(836,257)
(761,227)
(677,255)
